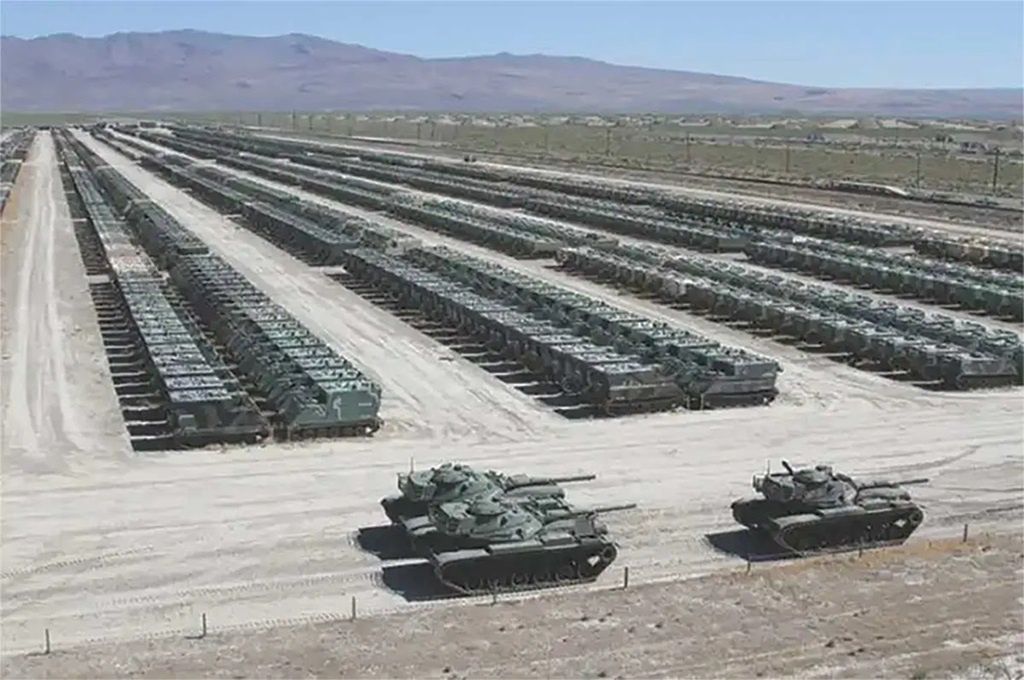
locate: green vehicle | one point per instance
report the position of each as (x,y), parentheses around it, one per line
(495,543)
(816,510)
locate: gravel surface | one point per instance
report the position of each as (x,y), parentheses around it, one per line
(920,611)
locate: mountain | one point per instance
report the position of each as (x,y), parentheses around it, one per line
(198,71)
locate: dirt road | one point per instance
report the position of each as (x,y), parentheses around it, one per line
(59,405)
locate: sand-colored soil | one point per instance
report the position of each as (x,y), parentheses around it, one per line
(915,612)
(103,545)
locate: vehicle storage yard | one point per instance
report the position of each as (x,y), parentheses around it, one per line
(788,336)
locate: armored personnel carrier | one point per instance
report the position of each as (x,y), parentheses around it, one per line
(496,543)
(814,510)
(453,481)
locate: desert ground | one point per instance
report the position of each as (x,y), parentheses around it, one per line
(118,554)
(766,623)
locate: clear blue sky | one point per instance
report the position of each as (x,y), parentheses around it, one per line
(862,44)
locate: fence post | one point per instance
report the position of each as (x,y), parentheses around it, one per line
(353,607)
(625,578)
(46,644)
(995,171)
(965,532)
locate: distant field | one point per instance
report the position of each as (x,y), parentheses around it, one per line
(903,157)
(927,157)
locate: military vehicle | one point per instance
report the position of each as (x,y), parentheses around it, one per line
(454,481)
(496,543)
(814,510)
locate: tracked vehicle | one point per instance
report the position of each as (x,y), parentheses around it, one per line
(815,510)
(454,481)
(499,544)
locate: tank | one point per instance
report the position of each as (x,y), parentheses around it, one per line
(453,481)
(814,510)
(500,544)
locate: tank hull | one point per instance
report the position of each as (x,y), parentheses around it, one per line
(809,532)
(509,569)
(398,508)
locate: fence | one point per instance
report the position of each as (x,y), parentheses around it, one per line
(203,627)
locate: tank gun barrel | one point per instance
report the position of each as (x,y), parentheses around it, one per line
(596,510)
(613,508)
(890,482)
(520,481)
(567,478)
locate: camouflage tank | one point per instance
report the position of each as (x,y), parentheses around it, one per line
(453,481)
(814,510)
(496,543)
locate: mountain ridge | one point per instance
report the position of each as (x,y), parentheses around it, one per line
(193,70)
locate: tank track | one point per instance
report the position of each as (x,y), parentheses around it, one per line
(503,574)
(873,529)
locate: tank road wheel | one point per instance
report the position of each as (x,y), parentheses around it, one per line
(566,572)
(518,580)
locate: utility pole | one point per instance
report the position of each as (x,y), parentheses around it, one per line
(995,171)
(687,148)
(294,122)
(918,179)
(787,156)
(608,142)
(311,122)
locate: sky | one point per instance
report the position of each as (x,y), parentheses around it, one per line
(825,43)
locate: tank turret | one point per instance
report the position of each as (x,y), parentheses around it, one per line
(817,509)
(499,542)
(454,481)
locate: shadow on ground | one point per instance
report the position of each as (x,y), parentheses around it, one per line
(415,582)
(388,542)
(748,545)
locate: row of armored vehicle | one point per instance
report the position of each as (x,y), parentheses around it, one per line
(485,531)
